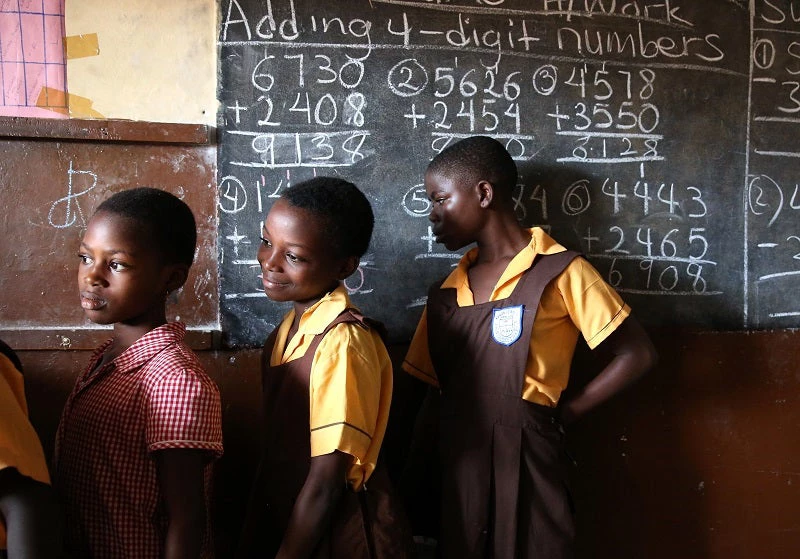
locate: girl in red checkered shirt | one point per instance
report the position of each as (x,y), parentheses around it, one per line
(143,422)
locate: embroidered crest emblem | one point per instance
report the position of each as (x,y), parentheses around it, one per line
(507,324)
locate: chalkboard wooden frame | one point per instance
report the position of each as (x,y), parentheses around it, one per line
(106,130)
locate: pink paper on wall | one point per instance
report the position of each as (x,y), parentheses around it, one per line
(32,59)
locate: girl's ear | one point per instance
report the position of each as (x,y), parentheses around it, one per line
(349,265)
(485,193)
(177,277)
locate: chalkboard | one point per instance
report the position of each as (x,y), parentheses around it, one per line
(53,174)
(660,139)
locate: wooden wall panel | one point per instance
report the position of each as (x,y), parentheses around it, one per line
(699,460)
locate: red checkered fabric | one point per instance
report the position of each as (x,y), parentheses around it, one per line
(153,396)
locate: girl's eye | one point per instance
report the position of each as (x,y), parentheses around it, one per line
(291,257)
(265,241)
(117,266)
(84,259)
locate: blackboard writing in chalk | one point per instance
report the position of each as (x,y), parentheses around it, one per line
(658,138)
(772,198)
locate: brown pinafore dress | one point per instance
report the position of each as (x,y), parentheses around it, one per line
(504,493)
(365,525)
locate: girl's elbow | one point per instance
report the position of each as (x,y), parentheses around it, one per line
(647,357)
(645,353)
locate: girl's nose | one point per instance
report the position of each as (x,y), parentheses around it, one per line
(92,275)
(268,258)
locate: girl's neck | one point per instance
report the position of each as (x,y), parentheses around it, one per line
(113,351)
(502,242)
(302,306)
(125,335)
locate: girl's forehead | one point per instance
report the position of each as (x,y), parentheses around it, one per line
(107,228)
(113,223)
(299,224)
(284,213)
(441,181)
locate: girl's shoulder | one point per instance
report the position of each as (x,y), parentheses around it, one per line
(176,360)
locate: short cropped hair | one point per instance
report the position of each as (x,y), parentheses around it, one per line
(478,158)
(344,208)
(165,217)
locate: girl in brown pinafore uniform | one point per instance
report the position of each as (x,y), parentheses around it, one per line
(497,339)
(320,490)
(505,453)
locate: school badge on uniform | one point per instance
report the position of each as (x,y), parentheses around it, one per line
(507,324)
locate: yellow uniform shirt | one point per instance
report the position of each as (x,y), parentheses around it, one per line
(577,301)
(19,444)
(350,389)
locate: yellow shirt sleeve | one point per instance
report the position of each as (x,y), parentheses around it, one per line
(14,382)
(578,302)
(594,306)
(19,444)
(350,393)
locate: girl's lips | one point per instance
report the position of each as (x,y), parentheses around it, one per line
(268,284)
(91,302)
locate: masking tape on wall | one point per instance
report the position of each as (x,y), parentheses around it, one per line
(81,46)
(52,100)
(81,107)
(66,103)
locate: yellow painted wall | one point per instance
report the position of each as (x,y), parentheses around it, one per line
(152,60)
